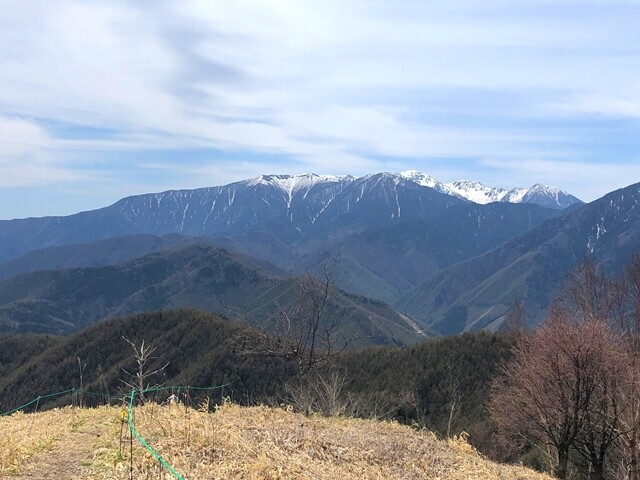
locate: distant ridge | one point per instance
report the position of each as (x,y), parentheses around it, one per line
(475,293)
(288,206)
(393,234)
(187,274)
(476,192)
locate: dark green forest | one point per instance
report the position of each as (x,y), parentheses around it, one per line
(415,385)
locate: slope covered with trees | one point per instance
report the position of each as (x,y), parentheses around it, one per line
(416,384)
(188,274)
(201,348)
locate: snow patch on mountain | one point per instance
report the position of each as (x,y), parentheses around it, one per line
(292,183)
(549,192)
(419,178)
(428,181)
(515,195)
(549,197)
(478,192)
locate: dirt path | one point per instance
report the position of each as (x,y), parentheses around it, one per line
(72,455)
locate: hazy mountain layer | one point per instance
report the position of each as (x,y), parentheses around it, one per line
(475,293)
(197,275)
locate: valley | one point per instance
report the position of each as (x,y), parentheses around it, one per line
(381,293)
(447,263)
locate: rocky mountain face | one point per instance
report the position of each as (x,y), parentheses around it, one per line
(386,262)
(290,208)
(384,251)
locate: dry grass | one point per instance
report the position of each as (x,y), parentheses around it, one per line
(254,443)
(53,444)
(22,436)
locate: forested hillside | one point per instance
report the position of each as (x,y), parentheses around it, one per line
(188,274)
(412,384)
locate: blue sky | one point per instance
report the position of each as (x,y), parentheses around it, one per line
(100,100)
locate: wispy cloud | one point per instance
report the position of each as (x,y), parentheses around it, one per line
(327,86)
(610,104)
(25,157)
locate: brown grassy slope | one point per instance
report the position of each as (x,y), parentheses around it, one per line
(236,443)
(58,444)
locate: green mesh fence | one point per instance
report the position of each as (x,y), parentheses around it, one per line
(141,440)
(130,412)
(144,443)
(37,401)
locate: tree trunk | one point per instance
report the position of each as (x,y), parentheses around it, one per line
(563,460)
(596,471)
(453,406)
(634,468)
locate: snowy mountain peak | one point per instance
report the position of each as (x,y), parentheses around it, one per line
(538,187)
(476,192)
(515,195)
(292,183)
(419,178)
(550,197)
(463,183)
(472,190)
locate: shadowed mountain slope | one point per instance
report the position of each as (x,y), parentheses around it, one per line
(289,208)
(476,293)
(194,275)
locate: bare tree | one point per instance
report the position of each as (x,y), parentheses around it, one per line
(564,385)
(613,413)
(630,391)
(629,418)
(320,392)
(81,369)
(409,401)
(536,397)
(450,391)
(514,317)
(601,426)
(303,331)
(143,355)
(590,294)
(558,386)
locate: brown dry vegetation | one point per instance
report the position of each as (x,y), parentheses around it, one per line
(58,444)
(235,443)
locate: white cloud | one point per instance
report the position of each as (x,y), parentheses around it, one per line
(330,86)
(25,158)
(19,137)
(609,104)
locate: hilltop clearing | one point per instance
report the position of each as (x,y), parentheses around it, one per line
(234,443)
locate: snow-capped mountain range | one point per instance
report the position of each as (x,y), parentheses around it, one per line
(477,192)
(543,195)
(289,206)
(445,253)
